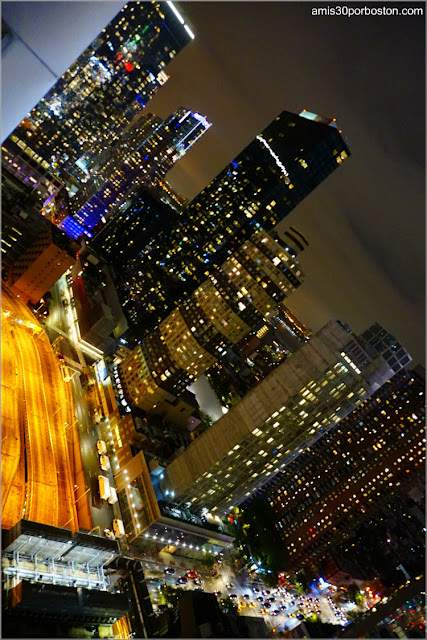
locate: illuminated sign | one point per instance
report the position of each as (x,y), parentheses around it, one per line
(162,77)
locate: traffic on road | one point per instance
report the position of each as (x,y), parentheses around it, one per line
(280,607)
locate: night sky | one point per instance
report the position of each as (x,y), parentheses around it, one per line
(366,222)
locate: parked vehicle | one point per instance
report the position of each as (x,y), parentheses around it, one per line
(118,528)
(104,487)
(104,463)
(113,496)
(101,447)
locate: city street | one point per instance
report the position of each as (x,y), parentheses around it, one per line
(62,335)
(102,513)
(248,593)
(35,444)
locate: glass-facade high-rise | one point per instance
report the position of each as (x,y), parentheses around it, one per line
(246,289)
(146,152)
(298,403)
(263,184)
(259,188)
(107,86)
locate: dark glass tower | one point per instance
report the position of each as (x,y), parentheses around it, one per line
(107,86)
(142,226)
(259,188)
(277,170)
(386,344)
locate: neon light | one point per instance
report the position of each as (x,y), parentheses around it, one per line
(202,119)
(176,12)
(186,116)
(188,30)
(277,159)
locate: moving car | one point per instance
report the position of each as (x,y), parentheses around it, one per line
(181,580)
(230,585)
(170,570)
(191,574)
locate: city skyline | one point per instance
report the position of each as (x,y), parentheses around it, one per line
(213,393)
(387,144)
(361,230)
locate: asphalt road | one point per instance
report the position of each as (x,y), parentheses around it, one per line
(250,606)
(57,326)
(89,432)
(44,416)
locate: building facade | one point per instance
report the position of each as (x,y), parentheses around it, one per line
(43,263)
(146,152)
(107,86)
(223,309)
(275,172)
(259,187)
(294,406)
(357,468)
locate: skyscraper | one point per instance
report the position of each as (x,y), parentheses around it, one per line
(245,290)
(390,349)
(367,458)
(295,405)
(148,150)
(107,86)
(277,170)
